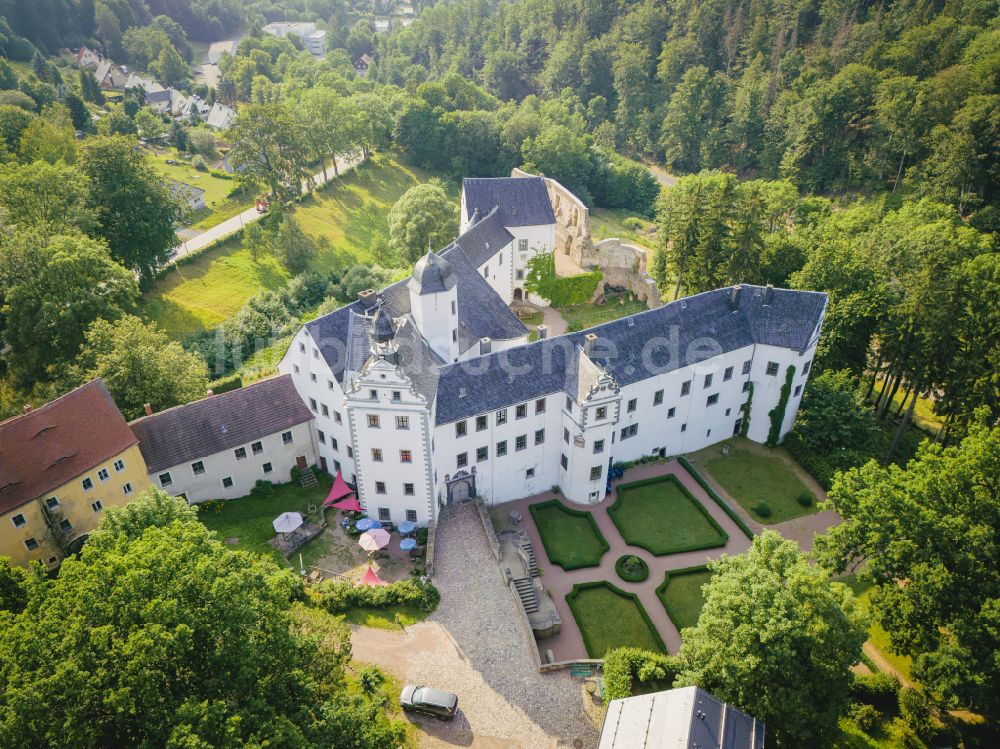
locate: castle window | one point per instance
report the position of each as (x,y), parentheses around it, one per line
(405,456)
(408,491)
(521,442)
(197,468)
(501,449)
(539,436)
(540,406)
(30,544)
(383,513)
(805,367)
(240,453)
(321,436)
(462,460)
(598,446)
(712,399)
(569,404)
(657,397)
(119,466)
(127,489)
(798,390)
(686,387)
(563,461)
(227,482)
(566,435)
(373,394)
(267,468)
(671,413)
(19,521)
(460,429)
(632,404)
(380,487)
(502,416)
(728,374)
(257,447)
(522,245)
(746,386)
(595,473)
(602,413)
(772,369)
(480,423)
(746,367)
(377,454)
(52,503)
(396,395)
(88,484)
(402,422)
(165,479)
(630,431)
(97,506)
(482,453)
(530,473)
(286,438)
(411,515)
(521,411)
(708,382)
(373,421)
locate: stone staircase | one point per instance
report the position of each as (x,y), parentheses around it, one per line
(529,551)
(525,589)
(307,478)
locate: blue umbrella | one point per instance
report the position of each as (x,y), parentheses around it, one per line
(408,543)
(375,524)
(406,527)
(364,524)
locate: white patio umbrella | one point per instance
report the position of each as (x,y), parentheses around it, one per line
(287,522)
(374,540)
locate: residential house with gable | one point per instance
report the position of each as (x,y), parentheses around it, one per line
(220,446)
(61,466)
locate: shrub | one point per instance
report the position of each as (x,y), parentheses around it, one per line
(198,162)
(338,597)
(631,568)
(421,536)
(866,716)
(370,679)
(225,384)
(262,489)
(805,499)
(623,667)
(762,509)
(634,223)
(877,689)
(913,712)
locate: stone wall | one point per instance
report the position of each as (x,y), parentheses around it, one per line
(623,265)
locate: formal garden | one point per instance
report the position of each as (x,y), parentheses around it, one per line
(630,569)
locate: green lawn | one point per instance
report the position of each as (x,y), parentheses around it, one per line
(583,316)
(249,519)
(661,516)
(610,618)
(606,223)
(571,537)
(205,290)
(392,618)
(876,635)
(751,478)
(923,415)
(681,594)
(222,196)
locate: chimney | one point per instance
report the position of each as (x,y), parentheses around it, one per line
(768,293)
(588,343)
(485,346)
(149,409)
(368,297)
(27,408)
(543,332)
(209,393)
(734,297)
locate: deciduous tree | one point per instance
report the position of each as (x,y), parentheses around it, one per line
(423,217)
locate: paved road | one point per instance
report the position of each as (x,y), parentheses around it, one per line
(237,222)
(667,180)
(473,645)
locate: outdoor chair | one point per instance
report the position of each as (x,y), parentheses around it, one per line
(515,517)
(416,552)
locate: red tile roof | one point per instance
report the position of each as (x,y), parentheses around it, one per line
(49,446)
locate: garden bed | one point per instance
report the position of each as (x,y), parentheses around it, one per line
(661,516)
(631,568)
(680,593)
(571,538)
(611,618)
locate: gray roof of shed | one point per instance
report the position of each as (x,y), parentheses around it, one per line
(221,422)
(685,718)
(521,201)
(635,347)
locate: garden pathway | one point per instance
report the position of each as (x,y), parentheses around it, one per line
(568,644)
(473,645)
(800,529)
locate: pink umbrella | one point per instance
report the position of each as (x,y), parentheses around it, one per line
(374,540)
(371,579)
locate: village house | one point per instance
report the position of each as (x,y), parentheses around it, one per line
(87,58)
(217,49)
(363,63)
(192,197)
(61,466)
(110,76)
(220,446)
(428,391)
(220,117)
(313,39)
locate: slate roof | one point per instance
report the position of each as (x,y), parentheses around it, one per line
(672,336)
(220,422)
(485,238)
(432,274)
(685,718)
(521,201)
(53,444)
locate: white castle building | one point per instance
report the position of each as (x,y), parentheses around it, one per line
(428,391)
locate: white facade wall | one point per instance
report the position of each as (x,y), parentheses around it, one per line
(244,472)
(314,381)
(767,388)
(393,459)
(436,316)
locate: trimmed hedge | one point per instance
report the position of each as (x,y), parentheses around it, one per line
(225,384)
(715,497)
(877,689)
(624,667)
(555,558)
(579,587)
(339,596)
(560,291)
(661,590)
(640,572)
(617,507)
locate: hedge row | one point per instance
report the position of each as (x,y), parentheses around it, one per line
(225,384)
(715,497)
(814,464)
(338,596)
(624,667)
(578,289)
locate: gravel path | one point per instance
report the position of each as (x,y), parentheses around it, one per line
(473,645)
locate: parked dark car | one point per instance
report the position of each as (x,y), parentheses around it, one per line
(434,702)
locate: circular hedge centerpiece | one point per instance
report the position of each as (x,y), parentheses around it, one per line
(631,568)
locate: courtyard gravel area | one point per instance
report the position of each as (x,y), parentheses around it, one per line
(473,645)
